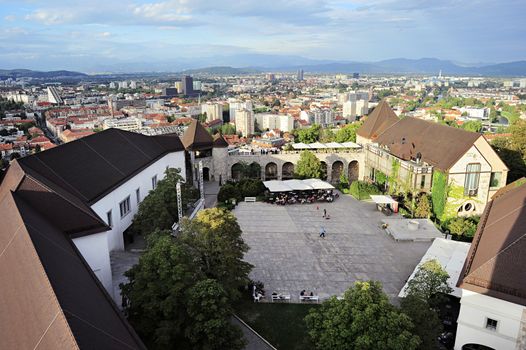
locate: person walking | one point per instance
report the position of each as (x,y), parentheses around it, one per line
(322,232)
(324,212)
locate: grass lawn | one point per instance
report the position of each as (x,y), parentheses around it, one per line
(280,323)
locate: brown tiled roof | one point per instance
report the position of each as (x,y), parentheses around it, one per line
(220,142)
(440,146)
(196,138)
(50,297)
(93,166)
(496,259)
(380,119)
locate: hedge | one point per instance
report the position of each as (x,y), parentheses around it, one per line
(362,190)
(240,190)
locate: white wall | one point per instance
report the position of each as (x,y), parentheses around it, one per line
(143,181)
(94,249)
(475,309)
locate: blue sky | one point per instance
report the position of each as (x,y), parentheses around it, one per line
(90,35)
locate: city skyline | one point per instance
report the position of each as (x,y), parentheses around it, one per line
(97,35)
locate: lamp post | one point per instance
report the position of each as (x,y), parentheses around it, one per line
(179,203)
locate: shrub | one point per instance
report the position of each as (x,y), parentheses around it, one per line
(462,228)
(240,190)
(362,190)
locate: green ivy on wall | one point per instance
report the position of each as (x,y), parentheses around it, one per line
(393,178)
(439,193)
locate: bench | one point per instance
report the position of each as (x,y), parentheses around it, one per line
(281,297)
(250,199)
(309,298)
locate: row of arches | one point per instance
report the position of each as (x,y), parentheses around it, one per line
(239,171)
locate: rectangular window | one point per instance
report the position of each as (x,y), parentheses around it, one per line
(109,219)
(125,207)
(154,182)
(491,324)
(495,180)
(471,184)
(422,181)
(138,195)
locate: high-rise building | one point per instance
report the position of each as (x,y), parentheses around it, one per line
(300,75)
(266,121)
(197,85)
(356,75)
(188,85)
(245,121)
(236,105)
(179,86)
(213,111)
(270,76)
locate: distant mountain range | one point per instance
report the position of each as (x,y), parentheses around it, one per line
(392,66)
(27,73)
(254,63)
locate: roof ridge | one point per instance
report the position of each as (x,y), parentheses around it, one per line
(87,212)
(134,145)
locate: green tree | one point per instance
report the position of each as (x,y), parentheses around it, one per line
(156,292)
(347,133)
(364,319)
(228,129)
(214,238)
(209,314)
(428,326)
(429,282)
(158,211)
(472,125)
(423,207)
(513,158)
(309,135)
(309,166)
(463,228)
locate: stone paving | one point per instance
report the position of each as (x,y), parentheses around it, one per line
(289,255)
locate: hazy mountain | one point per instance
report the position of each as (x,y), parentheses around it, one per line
(221,70)
(250,63)
(27,73)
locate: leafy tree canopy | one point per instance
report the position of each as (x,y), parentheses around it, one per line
(309,135)
(308,166)
(429,281)
(364,319)
(158,211)
(347,133)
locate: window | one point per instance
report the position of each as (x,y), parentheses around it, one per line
(422,181)
(491,324)
(495,179)
(125,206)
(471,184)
(109,219)
(154,182)
(138,195)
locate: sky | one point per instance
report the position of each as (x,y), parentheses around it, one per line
(100,34)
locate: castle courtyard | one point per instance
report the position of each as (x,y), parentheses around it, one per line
(289,256)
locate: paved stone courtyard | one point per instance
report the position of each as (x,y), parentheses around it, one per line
(289,255)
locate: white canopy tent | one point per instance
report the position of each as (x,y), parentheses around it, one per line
(318,184)
(297,185)
(351,145)
(381,199)
(334,145)
(317,145)
(300,146)
(276,186)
